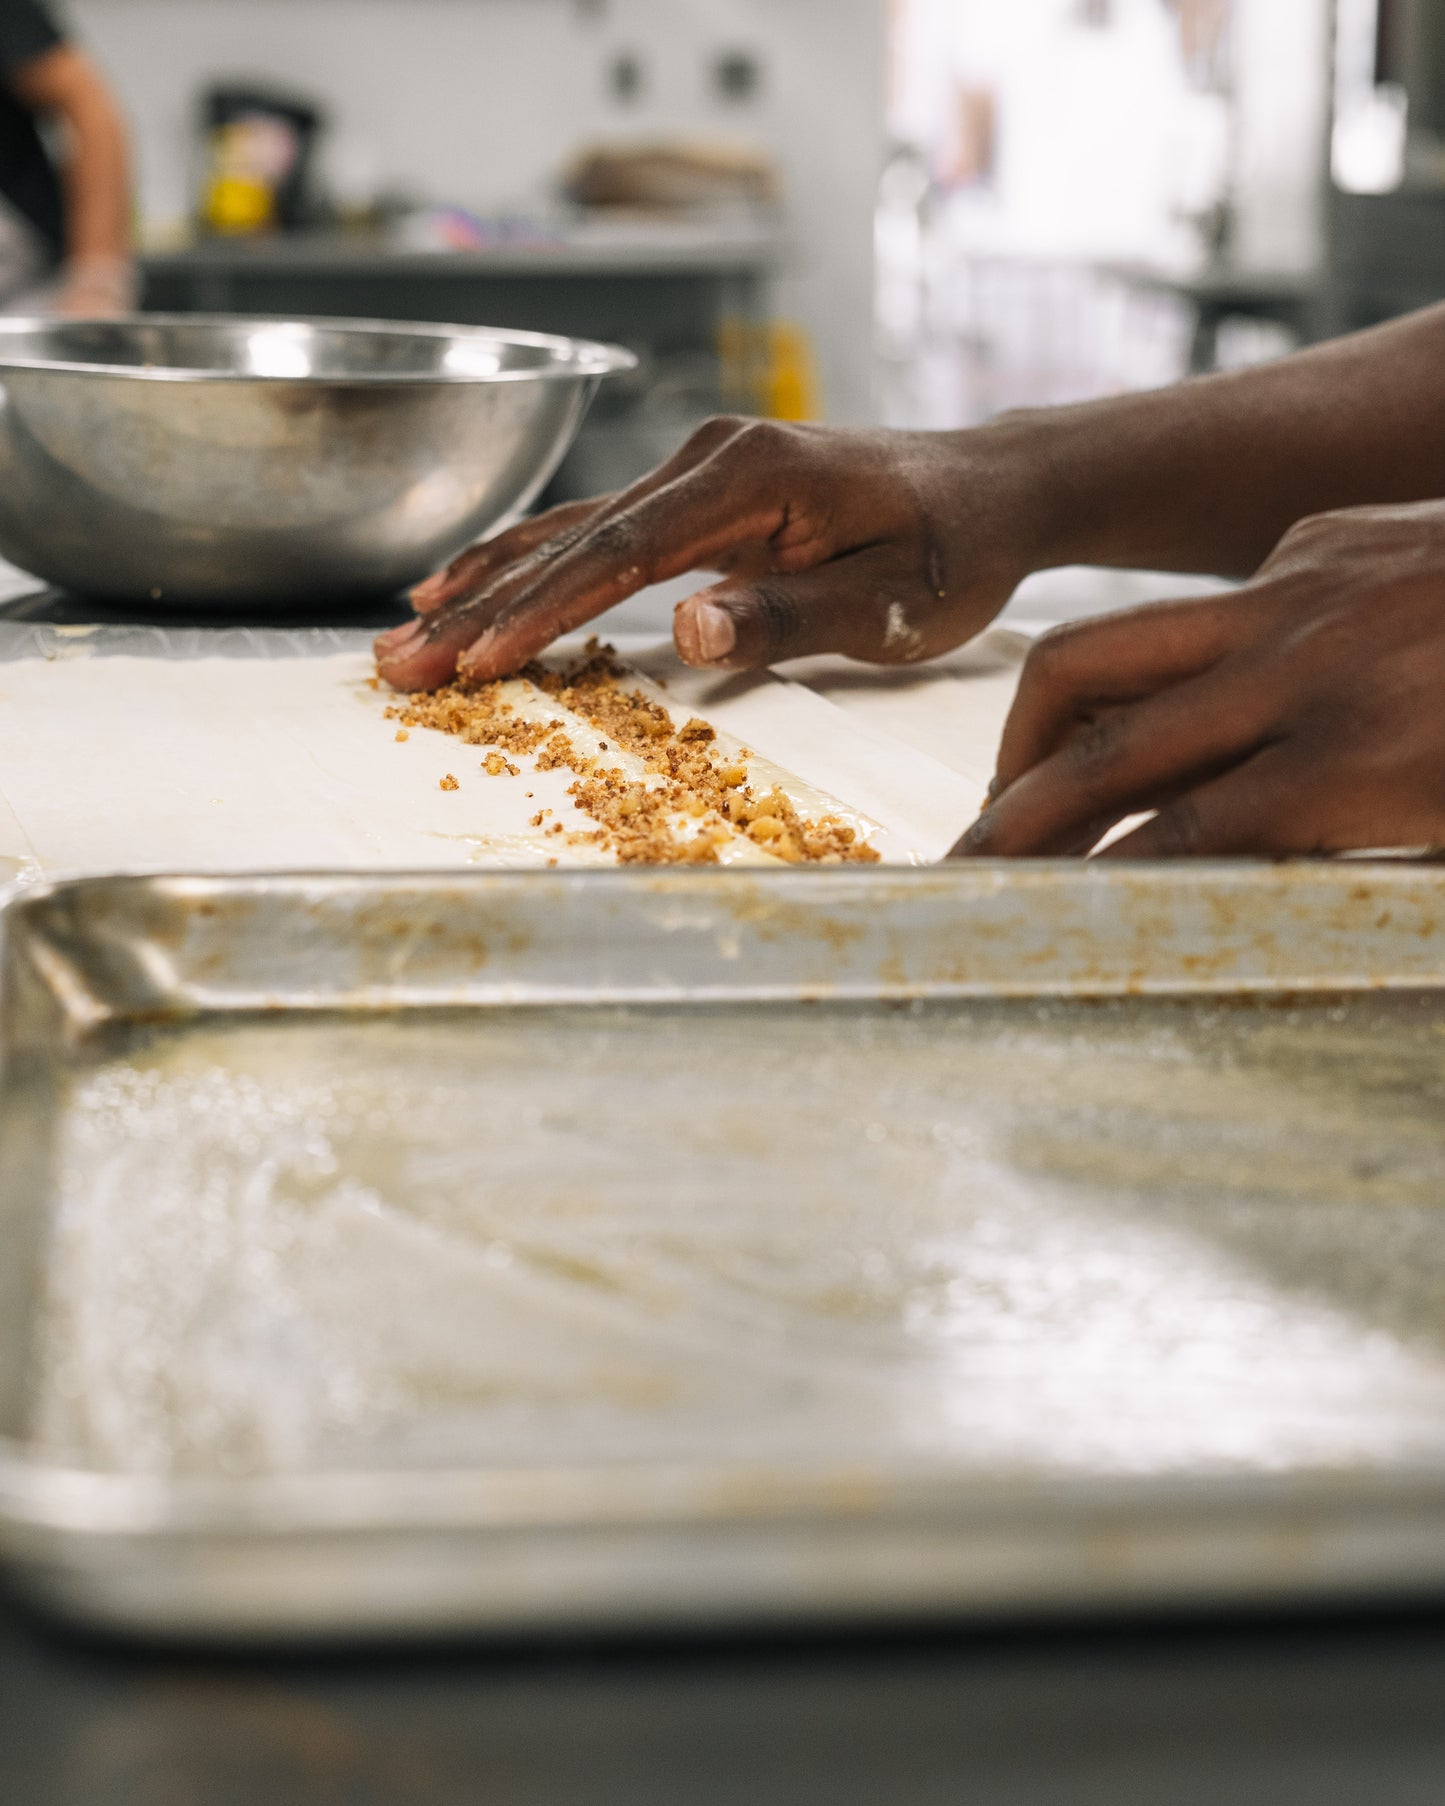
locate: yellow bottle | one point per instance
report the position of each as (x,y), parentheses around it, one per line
(790,388)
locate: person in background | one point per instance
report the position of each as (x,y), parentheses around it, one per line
(65,220)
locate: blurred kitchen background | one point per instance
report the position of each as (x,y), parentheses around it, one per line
(917,212)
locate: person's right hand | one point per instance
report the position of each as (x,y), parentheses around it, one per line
(887,546)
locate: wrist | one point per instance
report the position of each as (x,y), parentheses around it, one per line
(1090,466)
(97,281)
(1039,479)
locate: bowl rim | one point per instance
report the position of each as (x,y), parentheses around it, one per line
(572,358)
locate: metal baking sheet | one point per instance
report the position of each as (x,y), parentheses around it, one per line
(523,1252)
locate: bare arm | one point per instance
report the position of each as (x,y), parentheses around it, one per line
(64,84)
(1208,475)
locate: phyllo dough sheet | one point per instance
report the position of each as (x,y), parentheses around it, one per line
(132,749)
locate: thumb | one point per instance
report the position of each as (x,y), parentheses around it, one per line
(860,605)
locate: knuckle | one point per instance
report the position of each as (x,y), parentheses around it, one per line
(740,437)
(1098,743)
(755,438)
(1059,646)
(1319,539)
(1316,533)
(1308,527)
(717,430)
(778,611)
(616,541)
(1050,660)
(565,536)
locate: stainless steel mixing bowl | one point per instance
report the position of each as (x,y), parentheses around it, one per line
(227,461)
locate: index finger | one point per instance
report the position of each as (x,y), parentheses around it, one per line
(479,563)
(477,584)
(1101,663)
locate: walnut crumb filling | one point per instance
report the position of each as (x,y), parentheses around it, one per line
(693,800)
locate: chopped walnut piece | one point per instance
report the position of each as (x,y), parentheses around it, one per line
(679,814)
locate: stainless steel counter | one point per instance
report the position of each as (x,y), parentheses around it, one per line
(1338,1713)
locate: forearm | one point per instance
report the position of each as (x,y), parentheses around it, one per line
(97,182)
(1207,475)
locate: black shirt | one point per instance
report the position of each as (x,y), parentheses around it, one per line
(27,176)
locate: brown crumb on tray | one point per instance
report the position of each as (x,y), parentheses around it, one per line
(450,783)
(692,800)
(402,734)
(497,765)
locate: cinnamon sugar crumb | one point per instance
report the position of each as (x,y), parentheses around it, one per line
(450,783)
(497,765)
(402,734)
(693,799)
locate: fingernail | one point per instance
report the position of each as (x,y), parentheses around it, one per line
(395,639)
(709,633)
(429,588)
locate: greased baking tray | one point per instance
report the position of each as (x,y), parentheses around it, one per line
(555,1251)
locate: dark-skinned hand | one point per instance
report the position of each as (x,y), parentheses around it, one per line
(1302,714)
(886,546)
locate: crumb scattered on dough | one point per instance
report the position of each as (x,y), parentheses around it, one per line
(450,783)
(693,799)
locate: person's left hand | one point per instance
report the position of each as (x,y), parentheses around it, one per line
(1303,714)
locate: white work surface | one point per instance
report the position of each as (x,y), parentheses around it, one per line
(147,749)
